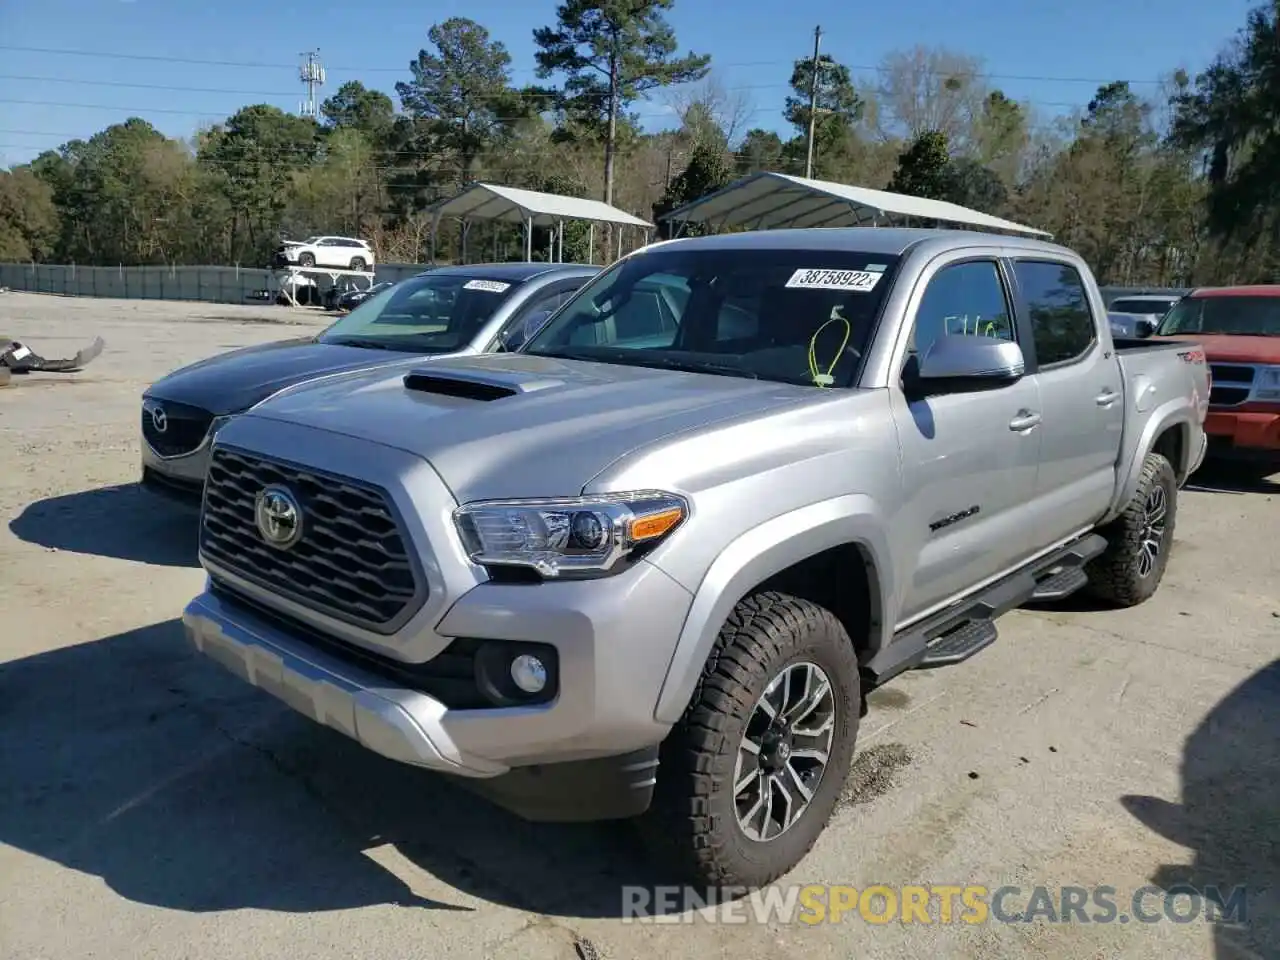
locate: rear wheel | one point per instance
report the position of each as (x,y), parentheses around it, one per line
(358,263)
(1138,541)
(751,775)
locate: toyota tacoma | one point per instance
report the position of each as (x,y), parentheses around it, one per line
(650,565)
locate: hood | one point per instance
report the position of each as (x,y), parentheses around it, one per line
(1229,348)
(232,382)
(518,425)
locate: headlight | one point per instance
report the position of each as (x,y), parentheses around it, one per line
(1267,386)
(569,536)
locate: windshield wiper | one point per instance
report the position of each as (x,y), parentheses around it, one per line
(634,358)
(693,366)
(369,343)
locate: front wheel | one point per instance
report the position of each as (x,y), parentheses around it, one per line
(1139,540)
(307,260)
(750,776)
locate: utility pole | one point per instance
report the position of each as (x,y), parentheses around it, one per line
(813,103)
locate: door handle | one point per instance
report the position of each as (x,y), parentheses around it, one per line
(1024,421)
(1106,398)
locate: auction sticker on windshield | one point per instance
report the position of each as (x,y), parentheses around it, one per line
(488,286)
(861,281)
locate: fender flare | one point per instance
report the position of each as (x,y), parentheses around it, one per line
(1173,413)
(755,556)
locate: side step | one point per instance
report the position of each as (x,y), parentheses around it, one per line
(955,634)
(959,645)
(1059,586)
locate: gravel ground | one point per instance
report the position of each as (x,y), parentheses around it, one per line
(152,806)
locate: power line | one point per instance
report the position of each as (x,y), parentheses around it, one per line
(244,64)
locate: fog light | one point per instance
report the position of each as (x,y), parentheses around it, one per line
(528,673)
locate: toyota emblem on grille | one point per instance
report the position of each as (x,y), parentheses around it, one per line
(159,419)
(279,517)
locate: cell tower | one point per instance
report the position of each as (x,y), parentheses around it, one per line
(312,76)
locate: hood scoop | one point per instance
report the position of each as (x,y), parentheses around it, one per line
(477,387)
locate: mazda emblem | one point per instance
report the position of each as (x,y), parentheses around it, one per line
(278,516)
(159,419)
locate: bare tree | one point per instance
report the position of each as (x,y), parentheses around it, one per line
(925,89)
(729,108)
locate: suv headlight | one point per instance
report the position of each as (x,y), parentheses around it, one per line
(568,537)
(1267,386)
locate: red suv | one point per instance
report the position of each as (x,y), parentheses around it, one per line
(1239,328)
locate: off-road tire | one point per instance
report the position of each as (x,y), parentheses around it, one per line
(693,821)
(1114,575)
(307,260)
(358,263)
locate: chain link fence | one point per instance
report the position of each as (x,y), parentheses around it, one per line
(233,284)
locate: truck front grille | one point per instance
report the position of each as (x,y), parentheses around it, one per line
(1232,383)
(351,561)
(184,427)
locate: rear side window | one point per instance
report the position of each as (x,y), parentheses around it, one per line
(1062,324)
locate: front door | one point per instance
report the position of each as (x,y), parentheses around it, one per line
(968,459)
(1082,393)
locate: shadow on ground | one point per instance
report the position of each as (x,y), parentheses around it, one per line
(125,522)
(1216,477)
(181,787)
(1229,814)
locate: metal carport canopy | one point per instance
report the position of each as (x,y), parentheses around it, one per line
(486,201)
(771,201)
(530,208)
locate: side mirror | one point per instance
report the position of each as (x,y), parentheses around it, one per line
(955,364)
(1144,327)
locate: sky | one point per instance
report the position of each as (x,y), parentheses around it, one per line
(183,64)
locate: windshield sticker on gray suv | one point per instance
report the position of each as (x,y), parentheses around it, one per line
(489,286)
(861,281)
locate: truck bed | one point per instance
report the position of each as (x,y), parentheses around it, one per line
(1137,345)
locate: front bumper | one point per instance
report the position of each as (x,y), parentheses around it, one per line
(180,478)
(397,723)
(1245,434)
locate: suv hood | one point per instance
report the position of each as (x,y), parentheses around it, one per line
(233,382)
(549,427)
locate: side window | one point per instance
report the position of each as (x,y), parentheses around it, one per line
(1061,321)
(964,299)
(535,313)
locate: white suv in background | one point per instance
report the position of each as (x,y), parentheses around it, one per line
(341,253)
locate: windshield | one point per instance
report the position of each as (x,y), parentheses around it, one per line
(1239,316)
(793,316)
(1142,305)
(436,313)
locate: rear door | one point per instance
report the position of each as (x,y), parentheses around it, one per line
(1081,392)
(968,459)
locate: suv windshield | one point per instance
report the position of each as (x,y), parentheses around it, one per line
(1241,316)
(793,316)
(438,313)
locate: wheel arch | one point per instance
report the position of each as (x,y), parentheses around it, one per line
(834,553)
(1168,432)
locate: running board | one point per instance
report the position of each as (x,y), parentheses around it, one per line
(967,627)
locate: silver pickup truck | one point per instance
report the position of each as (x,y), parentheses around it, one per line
(651,565)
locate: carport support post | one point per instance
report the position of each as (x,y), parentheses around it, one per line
(591,242)
(528,239)
(560,240)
